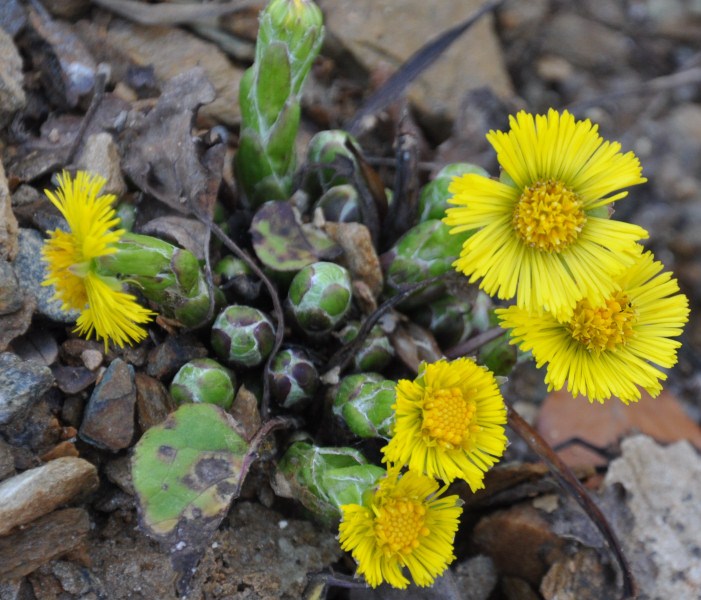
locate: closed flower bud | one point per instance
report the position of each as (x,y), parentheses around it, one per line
(425,251)
(293,378)
(375,352)
(340,204)
(433,200)
(364,401)
(243,336)
(324,479)
(320,296)
(204,380)
(447,318)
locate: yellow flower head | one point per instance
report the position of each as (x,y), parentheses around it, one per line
(542,231)
(106,311)
(403,523)
(448,422)
(609,348)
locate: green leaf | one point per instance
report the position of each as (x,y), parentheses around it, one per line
(281,243)
(273,85)
(187,470)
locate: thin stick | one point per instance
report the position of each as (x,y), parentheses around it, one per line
(470,346)
(564,476)
(277,307)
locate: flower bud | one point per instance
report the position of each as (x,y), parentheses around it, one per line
(340,204)
(243,336)
(375,352)
(320,296)
(324,479)
(364,401)
(433,199)
(425,251)
(293,378)
(328,147)
(447,318)
(204,380)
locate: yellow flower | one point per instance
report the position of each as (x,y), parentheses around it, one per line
(404,523)
(543,232)
(106,311)
(448,422)
(609,348)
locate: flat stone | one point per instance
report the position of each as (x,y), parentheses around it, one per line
(38,491)
(383,34)
(12,97)
(22,383)
(153,402)
(166,358)
(520,541)
(31,272)
(92,359)
(17,323)
(663,495)
(173,51)
(108,422)
(100,155)
(73,380)
(48,537)
(476,577)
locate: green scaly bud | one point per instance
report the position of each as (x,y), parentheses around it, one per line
(364,401)
(425,251)
(324,479)
(433,199)
(289,39)
(204,380)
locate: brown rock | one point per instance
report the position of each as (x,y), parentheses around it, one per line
(580,577)
(46,538)
(172,51)
(153,402)
(108,421)
(562,418)
(166,358)
(383,34)
(38,491)
(359,252)
(100,155)
(520,542)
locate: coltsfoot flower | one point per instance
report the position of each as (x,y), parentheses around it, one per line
(106,310)
(403,523)
(609,348)
(449,422)
(542,231)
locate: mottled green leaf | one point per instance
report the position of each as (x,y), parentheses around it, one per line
(282,244)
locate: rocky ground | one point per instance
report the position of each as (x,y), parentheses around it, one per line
(69,412)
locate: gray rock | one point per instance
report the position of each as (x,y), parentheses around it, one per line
(8,222)
(108,421)
(12,98)
(476,577)
(663,495)
(38,491)
(382,34)
(11,297)
(101,156)
(30,271)
(21,384)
